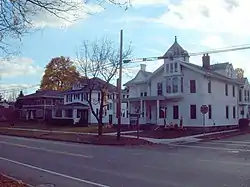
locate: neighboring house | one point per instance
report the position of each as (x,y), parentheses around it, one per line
(76,107)
(39,105)
(179,88)
(244,98)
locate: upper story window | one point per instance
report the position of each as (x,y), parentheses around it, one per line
(192,86)
(145,93)
(226,89)
(245,95)
(171,68)
(209,87)
(233,91)
(176,67)
(141,93)
(175,84)
(168,85)
(240,95)
(248,95)
(159,88)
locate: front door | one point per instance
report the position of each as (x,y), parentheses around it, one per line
(110,119)
(83,117)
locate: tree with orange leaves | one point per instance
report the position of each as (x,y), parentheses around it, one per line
(60,74)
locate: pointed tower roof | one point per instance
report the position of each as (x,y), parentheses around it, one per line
(176,50)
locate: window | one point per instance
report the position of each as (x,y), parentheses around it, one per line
(110,106)
(245,95)
(58,113)
(69,113)
(175,112)
(248,95)
(141,93)
(123,96)
(145,93)
(171,68)
(181,84)
(97,111)
(234,112)
(209,112)
(233,91)
(227,112)
(192,111)
(168,85)
(175,67)
(240,95)
(82,96)
(175,85)
(159,88)
(167,68)
(192,86)
(99,97)
(209,87)
(226,89)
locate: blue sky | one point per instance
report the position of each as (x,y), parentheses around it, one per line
(150,25)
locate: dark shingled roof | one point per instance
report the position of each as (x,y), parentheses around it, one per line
(95,84)
(219,66)
(44,93)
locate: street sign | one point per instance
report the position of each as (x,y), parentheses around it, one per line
(204,109)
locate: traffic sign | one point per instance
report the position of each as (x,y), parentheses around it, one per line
(204,109)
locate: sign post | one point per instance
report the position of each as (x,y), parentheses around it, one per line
(134,119)
(204,110)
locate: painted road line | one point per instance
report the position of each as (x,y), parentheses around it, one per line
(226,162)
(46,150)
(236,142)
(212,148)
(53,173)
(226,144)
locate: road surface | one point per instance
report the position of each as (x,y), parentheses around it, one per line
(217,164)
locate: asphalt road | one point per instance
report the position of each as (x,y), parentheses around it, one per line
(215,164)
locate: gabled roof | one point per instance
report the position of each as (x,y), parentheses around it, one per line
(146,74)
(176,50)
(44,94)
(219,66)
(95,84)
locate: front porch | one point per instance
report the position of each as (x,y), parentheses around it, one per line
(152,109)
(77,112)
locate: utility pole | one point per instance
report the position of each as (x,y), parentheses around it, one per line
(119,87)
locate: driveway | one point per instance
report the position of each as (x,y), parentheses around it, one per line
(217,163)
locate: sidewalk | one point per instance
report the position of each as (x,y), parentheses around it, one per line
(186,139)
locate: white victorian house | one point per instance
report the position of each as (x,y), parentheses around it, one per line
(76,107)
(179,88)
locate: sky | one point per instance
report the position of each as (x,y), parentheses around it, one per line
(150,26)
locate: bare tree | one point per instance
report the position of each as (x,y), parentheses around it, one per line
(17,16)
(99,62)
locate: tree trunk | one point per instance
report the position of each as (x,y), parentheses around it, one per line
(100,128)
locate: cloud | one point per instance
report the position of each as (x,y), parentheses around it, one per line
(214,16)
(213,42)
(19,66)
(83,11)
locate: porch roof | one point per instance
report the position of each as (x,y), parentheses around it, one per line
(145,98)
(72,105)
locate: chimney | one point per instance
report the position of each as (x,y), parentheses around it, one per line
(206,61)
(143,67)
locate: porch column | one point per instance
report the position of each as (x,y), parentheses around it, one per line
(129,109)
(157,111)
(141,107)
(63,113)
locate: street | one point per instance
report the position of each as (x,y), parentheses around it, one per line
(224,163)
